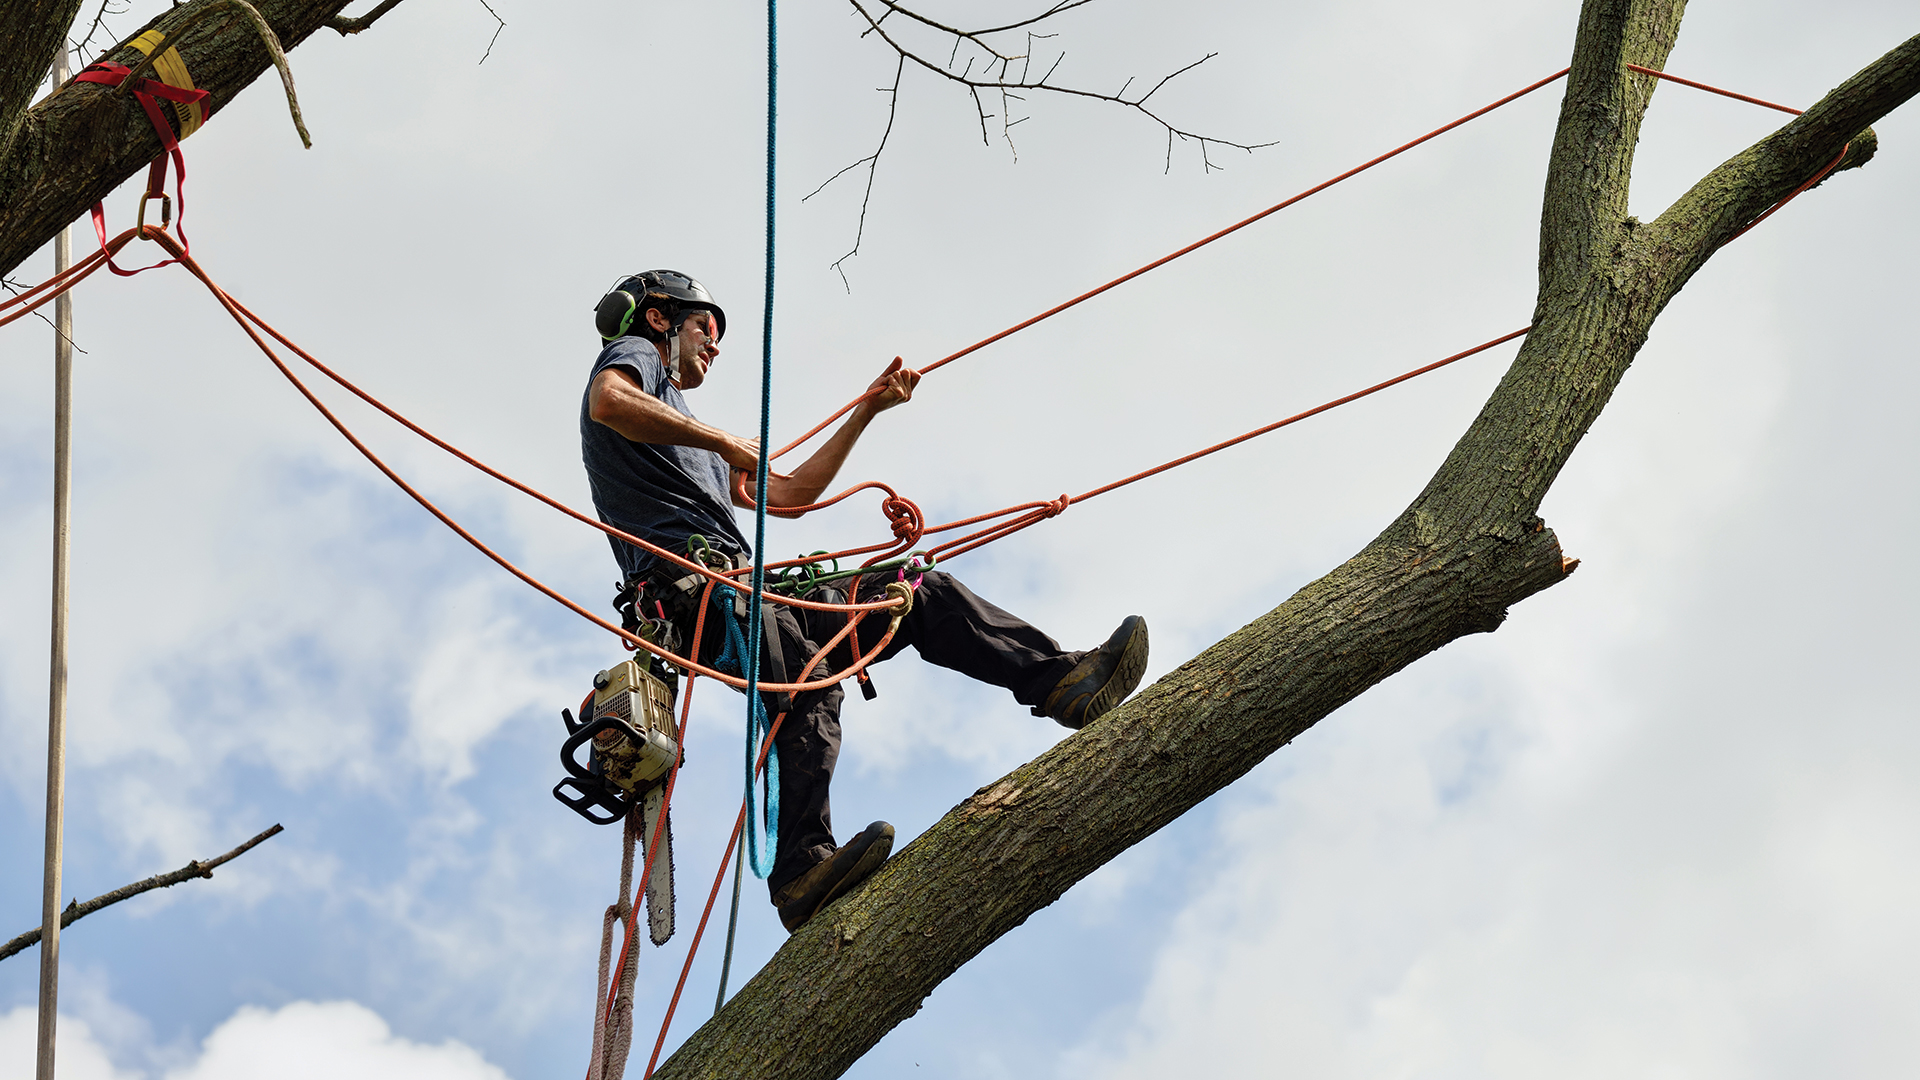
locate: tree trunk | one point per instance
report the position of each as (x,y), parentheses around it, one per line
(29,34)
(1471,545)
(71,150)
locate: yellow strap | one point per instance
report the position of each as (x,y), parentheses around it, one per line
(173,71)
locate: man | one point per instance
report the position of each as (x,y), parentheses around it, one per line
(657,472)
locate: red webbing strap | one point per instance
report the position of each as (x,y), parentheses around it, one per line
(107,73)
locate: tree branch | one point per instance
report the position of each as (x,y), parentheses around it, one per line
(99,23)
(1590,170)
(77,911)
(1470,546)
(872,162)
(1004,84)
(346,26)
(996,77)
(267,38)
(29,34)
(1682,238)
(79,144)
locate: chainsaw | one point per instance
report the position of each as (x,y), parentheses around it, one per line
(626,725)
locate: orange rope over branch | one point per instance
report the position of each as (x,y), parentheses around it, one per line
(1195,246)
(1714,90)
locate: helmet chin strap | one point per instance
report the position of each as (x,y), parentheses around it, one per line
(673,345)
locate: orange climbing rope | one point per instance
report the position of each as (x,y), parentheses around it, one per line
(248,321)
(1195,246)
(907,521)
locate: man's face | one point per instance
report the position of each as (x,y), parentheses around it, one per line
(697,349)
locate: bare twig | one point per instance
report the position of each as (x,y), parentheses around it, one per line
(77,910)
(496,30)
(16,288)
(872,162)
(345,26)
(1003,83)
(106,8)
(267,35)
(994,62)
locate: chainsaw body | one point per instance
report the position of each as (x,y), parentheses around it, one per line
(639,751)
(626,726)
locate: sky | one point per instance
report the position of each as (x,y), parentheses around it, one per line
(1662,823)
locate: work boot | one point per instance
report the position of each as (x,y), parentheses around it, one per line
(1102,680)
(847,867)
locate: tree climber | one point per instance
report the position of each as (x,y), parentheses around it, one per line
(660,474)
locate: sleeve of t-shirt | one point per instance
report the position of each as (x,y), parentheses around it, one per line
(639,357)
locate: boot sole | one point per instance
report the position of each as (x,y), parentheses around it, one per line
(1126,676)
(878,849)
(1087,706)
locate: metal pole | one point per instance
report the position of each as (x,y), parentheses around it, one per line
(57,689)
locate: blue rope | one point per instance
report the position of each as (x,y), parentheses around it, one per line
(739,645)
(756,712)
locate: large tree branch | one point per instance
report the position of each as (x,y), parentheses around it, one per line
(30,32)
(1592,163)
(1467,548)
(1680,241)
(74,148)
(76,910)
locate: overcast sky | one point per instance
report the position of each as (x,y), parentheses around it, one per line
(1663,823)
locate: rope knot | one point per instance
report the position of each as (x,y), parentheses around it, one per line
(1058,506)
(906,519)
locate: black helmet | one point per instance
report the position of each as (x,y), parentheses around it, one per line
(669,290)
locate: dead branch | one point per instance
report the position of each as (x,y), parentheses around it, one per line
(997,77)
(77,910)
(99,23)
(15,288)
(994,76)
(872,162)
(346,26)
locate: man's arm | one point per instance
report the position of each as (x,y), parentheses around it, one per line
(619,401)
(895,385)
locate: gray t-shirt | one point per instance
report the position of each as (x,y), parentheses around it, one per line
(659,493)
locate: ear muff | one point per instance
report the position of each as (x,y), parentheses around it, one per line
(615,313)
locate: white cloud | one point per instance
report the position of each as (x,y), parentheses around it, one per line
(324,1041)
(303,1041)
(77,1054)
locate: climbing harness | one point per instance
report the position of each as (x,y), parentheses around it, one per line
(633,743)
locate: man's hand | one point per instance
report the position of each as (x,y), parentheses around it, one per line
(742,454)
(895,386)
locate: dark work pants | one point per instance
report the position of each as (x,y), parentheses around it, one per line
(948,626)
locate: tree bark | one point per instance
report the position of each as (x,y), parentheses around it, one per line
(71,150)
(29,33)
(1470,546)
